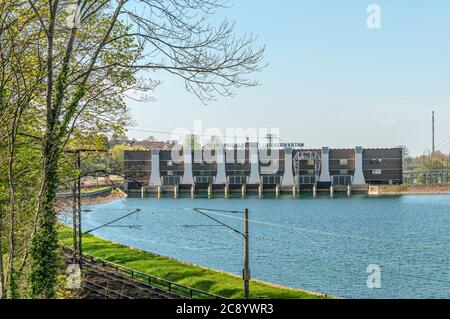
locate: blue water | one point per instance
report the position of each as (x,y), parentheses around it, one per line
(320,244)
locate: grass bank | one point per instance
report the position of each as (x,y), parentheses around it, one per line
(212,281)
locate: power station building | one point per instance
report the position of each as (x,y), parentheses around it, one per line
(253,168)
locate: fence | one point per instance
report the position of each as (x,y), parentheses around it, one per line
(167,285)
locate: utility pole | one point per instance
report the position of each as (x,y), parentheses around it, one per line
(246,272)
(433,149)
(74,221)
(80,233)
(76,206)
(448,165)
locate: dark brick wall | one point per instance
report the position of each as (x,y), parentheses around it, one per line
(389,161)
(137,168)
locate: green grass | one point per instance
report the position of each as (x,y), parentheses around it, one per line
(211,281)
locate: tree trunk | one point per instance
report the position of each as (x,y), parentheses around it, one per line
(10,274)
(2,282)
(44,254)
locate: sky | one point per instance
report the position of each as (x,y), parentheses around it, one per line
(331,80)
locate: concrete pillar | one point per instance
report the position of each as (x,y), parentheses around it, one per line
(260,189)
(193,190)
(175,191)
(188,178)
(349,190)
(277,190)
(325,169)
(331,191)
(314,190)
(226,190)
(243,190)
(358,177)
(155,177)
(221,177)
(210,190)
(159,191)
(142,192)
(288,176)
(294,190)
(254,164)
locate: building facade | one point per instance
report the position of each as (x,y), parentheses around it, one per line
(250,165)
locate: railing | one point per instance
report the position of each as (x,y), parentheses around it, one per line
(164,284)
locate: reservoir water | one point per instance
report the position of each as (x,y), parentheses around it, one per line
(320,244)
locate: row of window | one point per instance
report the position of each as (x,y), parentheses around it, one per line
(342,162)
(271,180)
(237,180)
(342,180)
(171,180)
(267,180)
(373,161)
(240,173)
(204,179)
(306,180)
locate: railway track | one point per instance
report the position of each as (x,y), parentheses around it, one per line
(103,282)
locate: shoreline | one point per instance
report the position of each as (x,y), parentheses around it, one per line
(104,196)
(386,190)
(283,292)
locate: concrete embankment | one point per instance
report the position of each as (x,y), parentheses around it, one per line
(408,189)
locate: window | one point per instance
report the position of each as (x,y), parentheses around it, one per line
(310,162)
(204,179)
(343,162)
(169,173)
(271,180)
(171,180)
(311,172)
(376,172)
(306,179)
(237,180)
(169,163)
(375,161)
(342,180)
(343,172)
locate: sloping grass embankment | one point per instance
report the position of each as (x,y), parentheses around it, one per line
(212,281)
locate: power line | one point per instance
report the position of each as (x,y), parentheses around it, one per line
(200,135)
(113,221)
(445,140)
(246,270)
(337,235)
